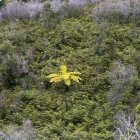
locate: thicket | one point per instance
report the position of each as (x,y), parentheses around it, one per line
(104,51)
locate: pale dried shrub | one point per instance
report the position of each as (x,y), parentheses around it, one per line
(123,8)
(18,9)
(126,127)
(83,2)
(120,76)
(24,132)
(56,5)
(78,2)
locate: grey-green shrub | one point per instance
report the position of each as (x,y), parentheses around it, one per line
(120,77)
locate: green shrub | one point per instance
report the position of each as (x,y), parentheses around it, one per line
(138,108)
(2,3)
(9,72)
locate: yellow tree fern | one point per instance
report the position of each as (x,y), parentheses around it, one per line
(64,76)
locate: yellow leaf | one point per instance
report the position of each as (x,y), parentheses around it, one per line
(55,80)
(67,82)
(53,75)
(75,78)
(75,73)
(63,69)
(65,77)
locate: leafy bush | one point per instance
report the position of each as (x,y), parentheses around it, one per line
(138,108)
(2,3)
(9,76)
(13,67)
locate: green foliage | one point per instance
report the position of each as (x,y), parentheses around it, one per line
(2,3)
(9,72)
(76,40)
(138,108)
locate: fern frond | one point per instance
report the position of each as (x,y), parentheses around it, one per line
(64,76)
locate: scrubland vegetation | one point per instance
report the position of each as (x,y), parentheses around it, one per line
(98,41)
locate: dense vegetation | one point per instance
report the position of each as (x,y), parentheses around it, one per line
(103,45)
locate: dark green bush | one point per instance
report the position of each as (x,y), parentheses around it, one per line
(9,72)
(2,3)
